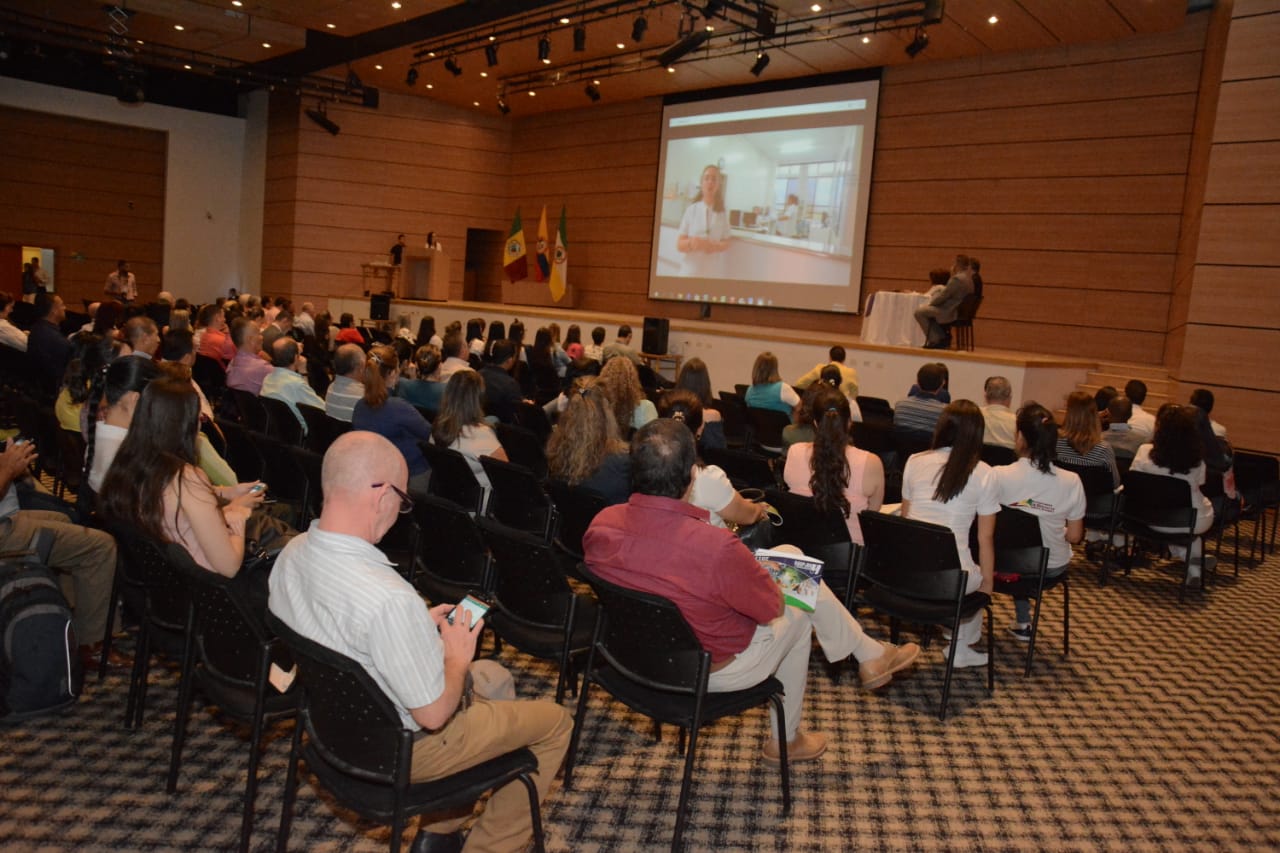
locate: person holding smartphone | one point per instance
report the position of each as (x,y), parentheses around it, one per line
(333,586)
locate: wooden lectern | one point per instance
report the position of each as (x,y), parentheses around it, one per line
(425,274)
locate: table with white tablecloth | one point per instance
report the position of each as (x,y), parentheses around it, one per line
(892,321)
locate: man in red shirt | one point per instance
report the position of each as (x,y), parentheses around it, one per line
(730,602)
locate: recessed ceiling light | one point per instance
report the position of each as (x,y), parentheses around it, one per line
(332,26)
(237,3)
(816,7)
(710,28)
(179,27)
(395,4)
(595,82)
(431,53)
(187,67)
(532,94)
(266,44)
(379,67)
(484,73)
(431,85)
(671,69)
(564,20)
(140,41)
(993,20)
(866,39)
(477,103)
(621,46)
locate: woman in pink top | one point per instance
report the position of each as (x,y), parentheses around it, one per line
(155,485)
(837,474)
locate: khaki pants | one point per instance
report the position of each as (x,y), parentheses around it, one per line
(87,556)
(484,731)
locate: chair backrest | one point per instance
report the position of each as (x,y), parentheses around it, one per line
(533,417)
(350,721)
(577,506)
(823,535)
(517,499)
(280,470)
(875,409)
(242,454)
(874,436)
(145,564)
(744,468)
(967,310)
(733,411)
(1019,544)
(452,477)
(1255,472)
(911,558)
(767,426)
(282,423)
(310,464)
(1095,479)
(995,455)
(451,551)
(71,457)
(523,447)
(741,390)
(529,583)
(318,435)
(210,376)
(1157,500)
(909,442)
(252,413)
(645,638)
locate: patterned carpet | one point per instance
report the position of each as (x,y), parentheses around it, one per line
(1159,732)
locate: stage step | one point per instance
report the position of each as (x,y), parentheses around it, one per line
(1154,399)
(1097,379)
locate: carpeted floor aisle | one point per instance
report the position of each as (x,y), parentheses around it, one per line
(1159,732)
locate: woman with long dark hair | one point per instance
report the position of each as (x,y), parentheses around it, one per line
(542,368)
(1035,485)
(1176,450)
(119,387)
(427,332)
(391,417)
(838,475)
(585,448)
(694,377)
(950,485)
(155,485)
(461,425)
(711,489)
(497,332)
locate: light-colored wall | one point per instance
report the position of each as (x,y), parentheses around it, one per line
(206,233)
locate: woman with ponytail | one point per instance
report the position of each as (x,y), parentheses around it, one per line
(1035,485)
(113,396)
(391,417)
(838,475)
(711,488)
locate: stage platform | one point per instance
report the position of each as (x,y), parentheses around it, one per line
(730,349)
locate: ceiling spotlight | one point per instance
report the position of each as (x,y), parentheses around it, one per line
(712,8)
(544,50)
(993,20)
(411,78)
(564,19)
(866,39)
(762,62)
(579,38)
(318,116)
(918,44)
(683,47)
(491,53)
(592,92)
(452,67)
(638,29)
(621,46)
(503,107)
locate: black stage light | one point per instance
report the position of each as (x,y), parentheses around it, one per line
(452,67)
(411,78)
(491,54)
(544,50)
(592,92)
(318,116)
(638,29)
(762,62)
(503,107)
(683,47)
(579,38)
(918,44)
(353,80)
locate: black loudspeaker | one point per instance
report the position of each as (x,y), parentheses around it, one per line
(655,335)
(380,306)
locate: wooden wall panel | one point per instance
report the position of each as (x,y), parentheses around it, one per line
(92,191)
(1240,234)
(1244,173)
(1232,296)
(1245,356)
(1247,112)
(1125,156)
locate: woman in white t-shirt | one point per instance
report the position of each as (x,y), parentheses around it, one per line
(950,485)
(703,236)
(711,489)
(1035,485)
(461,426)
(118,386)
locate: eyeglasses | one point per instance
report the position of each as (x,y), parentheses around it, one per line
(406,502)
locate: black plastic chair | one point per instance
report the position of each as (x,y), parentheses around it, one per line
(1102,506)
(822,535)
(452,477)
(1020,551)
(962,328)
(875,410)
(451,558)
(361,754)
(319,436)
(996,455)
(283,475)
(252,413)
(913,574)
(517,499)
(211,376)
(230,661)
(648,658)
(766,429)
(1151,501)
(1258,481)
(534,609)
(744,468)
(310,465)
(242,454)
(733,412)
(523,447)
(577,506)
(533,418)
(282,424)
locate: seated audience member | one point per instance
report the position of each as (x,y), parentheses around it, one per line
(108,319)
(48,348)
(502,393)
(1141,421)
(455,357)
(461,425)
(1202,398)
(118,387)
(836,474)
(1176,450)
(516,335)
(595,350)
(280,327)
(579,365)
(695,378)
(944,396)
(1102,399)
(1081,440)
(215,342)
(10,335)
(1000,420)
(143,336)
(390,417)
(919,413)
(90,353)
(347,387)
(427,332)
(475,337)
(178,353)
(767,390)
(836,358)
(801,429)
(584,449)
(711,489)
(730,602)
(950,485)
(286,380)
(620,384)
(1118,435)
(155,487)
(558,356)
(333,586)
(305,320)
(425,390)
(347,331)
(249,368)
(545,381)
(943,308)
(621,346)
(1035,485)
(179,320)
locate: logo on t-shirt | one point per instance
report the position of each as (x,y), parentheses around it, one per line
(1032,503)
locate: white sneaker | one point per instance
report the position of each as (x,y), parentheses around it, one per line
(966,656)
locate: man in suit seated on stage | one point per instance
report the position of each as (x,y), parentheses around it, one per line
(942,308)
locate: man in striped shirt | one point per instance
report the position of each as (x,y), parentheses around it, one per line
(919,413)
(332,585)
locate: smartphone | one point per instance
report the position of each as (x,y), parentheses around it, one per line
(258,489)
(473,605)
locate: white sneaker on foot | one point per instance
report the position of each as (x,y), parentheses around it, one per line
(966,656)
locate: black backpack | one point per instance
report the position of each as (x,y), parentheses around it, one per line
(40,669)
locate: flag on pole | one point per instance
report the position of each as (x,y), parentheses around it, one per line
(543,256)
(514,259)
(560,266)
